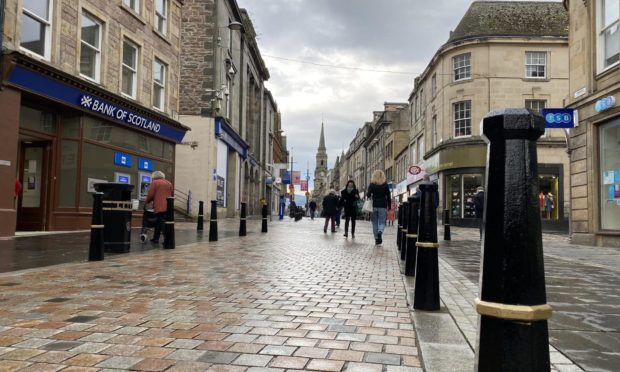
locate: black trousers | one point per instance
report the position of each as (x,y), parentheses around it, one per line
(159,226)
(346,224)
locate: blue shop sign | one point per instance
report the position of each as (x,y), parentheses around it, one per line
(605,103)
(145,164)
(54,89)
(286,178)
(559,118)
(227,134)
(124,160)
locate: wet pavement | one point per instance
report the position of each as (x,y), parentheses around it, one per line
(582,288)
(292,299)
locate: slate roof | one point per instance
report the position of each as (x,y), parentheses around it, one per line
(511,18)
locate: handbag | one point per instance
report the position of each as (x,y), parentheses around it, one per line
(359,206)
(367,206)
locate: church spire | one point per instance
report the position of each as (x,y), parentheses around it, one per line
(322,141)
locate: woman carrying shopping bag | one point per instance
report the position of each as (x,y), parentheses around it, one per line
(379,193)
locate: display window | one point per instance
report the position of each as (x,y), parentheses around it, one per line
(549,185)
(609,137)
(460,191)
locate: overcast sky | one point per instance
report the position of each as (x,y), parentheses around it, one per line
(390,35)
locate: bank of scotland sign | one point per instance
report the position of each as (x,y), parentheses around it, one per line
(559,118)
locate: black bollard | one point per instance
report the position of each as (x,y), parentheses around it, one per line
(412,235)
(213,222)
(446,225)
(403,232)
(95,251)
(399,229)
(169,242)
(264,212)
(242,221)
(426,294)
(201,212)
(513,333)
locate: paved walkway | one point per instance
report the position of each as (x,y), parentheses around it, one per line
(292,299)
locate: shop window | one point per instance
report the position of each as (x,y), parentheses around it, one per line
(460,191)
(70,126)
(36,27)
(161,15)
(31,118)
(609,36)
(90,50)
(609,136)
(115,135)
(536,65)
(68,174)
(130,69)
(548,197)
(462,66)
(159,84)
(462,119)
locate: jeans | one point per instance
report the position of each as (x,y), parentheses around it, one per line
(378,220)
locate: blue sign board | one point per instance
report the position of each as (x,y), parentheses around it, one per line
(605,103)
(286,178)
(559,118)
(145,164)
(124,160)
(54,89)
(225,133)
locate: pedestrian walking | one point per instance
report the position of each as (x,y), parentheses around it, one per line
(330,208)
(549,204)
(379,193)
(349,197)
(479,206)
(312,209)
(159,191)
(391,214)
(339,212)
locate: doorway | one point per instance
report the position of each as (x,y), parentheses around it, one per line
(34,163)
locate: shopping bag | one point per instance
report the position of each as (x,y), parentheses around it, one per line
(367,206)
(359,206)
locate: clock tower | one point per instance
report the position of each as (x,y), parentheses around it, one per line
(320,172)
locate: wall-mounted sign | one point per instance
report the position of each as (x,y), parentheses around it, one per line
(269,181)
(220,191)
(580,92)
(278,180)
(122,177)
(124,160)
(145,164)
(286,177)
(605,103)
(414,169)
(559,118)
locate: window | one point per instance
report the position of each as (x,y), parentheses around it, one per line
(462,66)
(90,51)
(35,27)
(159,84)
(535,104)
(462,119)
(133,5)
(230,36)
(161,15)
(130,69)
(228,97)
(421,149)
(609,135)
(609,38)
(434,85)
(434,130)
(422,102)
(535,65)
(415,107)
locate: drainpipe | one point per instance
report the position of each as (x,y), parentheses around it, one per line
(2,5)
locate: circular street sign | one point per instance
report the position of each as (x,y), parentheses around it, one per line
(278,180)
(414,169)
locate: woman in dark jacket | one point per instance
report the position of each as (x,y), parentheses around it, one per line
(348,198)
(379,192)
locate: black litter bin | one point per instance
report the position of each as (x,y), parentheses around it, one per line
(117,206)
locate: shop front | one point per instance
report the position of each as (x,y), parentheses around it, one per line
(70,135)
(232,152)
(609,157)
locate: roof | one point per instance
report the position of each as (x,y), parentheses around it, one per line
(512,18)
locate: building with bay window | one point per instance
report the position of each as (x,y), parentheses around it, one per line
(595,143)
(89,94)
(491,62)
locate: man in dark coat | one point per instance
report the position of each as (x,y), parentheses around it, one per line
(312,209)
(330,208)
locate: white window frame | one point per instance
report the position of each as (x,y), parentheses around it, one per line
(434,130)
(162,84)
(48,30)
(134,93)
(529,62)
(421,148)
(83,44)
(136,5)
(529,105)
(601,28)
(458,120)
(159,16)
(434,85)
(461,65)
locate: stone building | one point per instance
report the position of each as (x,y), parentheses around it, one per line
(595,143)
(501,54)
(89,94)
(225,104)
(320,170)
(356,160)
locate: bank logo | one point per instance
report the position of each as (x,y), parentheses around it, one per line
(86,101)
(558,118)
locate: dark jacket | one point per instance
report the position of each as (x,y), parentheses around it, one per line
(348,201)
(380,195)
(313,205)
(479,204)
(330,205)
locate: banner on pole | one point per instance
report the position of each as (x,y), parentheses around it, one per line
(304,185)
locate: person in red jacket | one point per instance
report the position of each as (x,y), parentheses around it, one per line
(159,191)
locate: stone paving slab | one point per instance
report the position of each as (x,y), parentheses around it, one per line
(292,299)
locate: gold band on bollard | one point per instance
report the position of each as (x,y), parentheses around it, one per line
(96,226)
(513,312)
(201,215)
(169,222)
(242,218)
(213,220)
(427,245)
(412,235)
